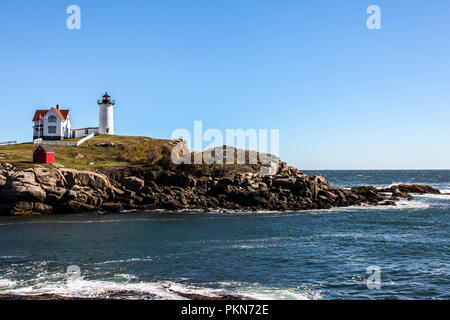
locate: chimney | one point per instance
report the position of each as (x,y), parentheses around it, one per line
(57,106)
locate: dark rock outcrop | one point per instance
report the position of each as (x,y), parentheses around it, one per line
(410,188)
(43,191)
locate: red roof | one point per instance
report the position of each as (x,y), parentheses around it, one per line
(46,148)
(41,113)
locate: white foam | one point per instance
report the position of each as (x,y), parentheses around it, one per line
(259,292)
(124,260)
(6,284)
(82,288)
(57,284)
(433,196)
(284,294)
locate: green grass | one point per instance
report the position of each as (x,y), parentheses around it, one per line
(126,151)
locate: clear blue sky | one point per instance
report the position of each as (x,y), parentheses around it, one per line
(342,96)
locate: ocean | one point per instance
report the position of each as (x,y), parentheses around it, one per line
(317,254)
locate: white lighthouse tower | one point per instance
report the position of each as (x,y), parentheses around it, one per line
(106,119)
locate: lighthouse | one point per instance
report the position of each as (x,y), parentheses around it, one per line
(106,119)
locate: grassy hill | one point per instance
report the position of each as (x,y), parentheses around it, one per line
(105,151)
(100,151)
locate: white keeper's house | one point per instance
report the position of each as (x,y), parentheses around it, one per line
(56,123)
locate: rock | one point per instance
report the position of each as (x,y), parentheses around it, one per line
(30,208)
(398,194)
(328,195)
(133,183)
(106,144)
(129,194)
(54,194)
(86,178)
(125,201)
(2,180)
(45,190)
(43,208)
(284,183)
(23,177)
(112,207)
(6,166)
(173,205)
(368,194)
(49,177)
(22,186)
(169,178)
(228,180)
(84,195)
(365,190)
(411,188)
(73,206)
(313,188)
(321,181)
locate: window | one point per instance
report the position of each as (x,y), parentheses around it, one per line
(52,119)
(52,129)
(86,131)
(107,130)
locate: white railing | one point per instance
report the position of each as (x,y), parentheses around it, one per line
(57,143)
(7,143)
(79,142)
(63,143)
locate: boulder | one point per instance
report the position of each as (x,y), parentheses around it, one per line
(411,188)
(132,183)
(368,193)
(73,206)
(6,166)
(399,194)
(2,180)
(169,178)
(49,177)
(86,178)
(54,194)
(22,185)
(321,181)
(173,205)
(117,191)
(313,188)
(23,177)
(112,206)
(284,183)
(30,208)
(106,144)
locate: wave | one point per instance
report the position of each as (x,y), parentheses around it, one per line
(257,292)
(443,187)
(445,196)
(124,260)
(57,285)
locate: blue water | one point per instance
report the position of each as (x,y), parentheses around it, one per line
(320,254)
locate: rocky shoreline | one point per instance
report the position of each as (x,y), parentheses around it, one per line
(123,295)
(48,190)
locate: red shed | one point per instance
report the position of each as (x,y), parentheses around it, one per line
(43,154)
